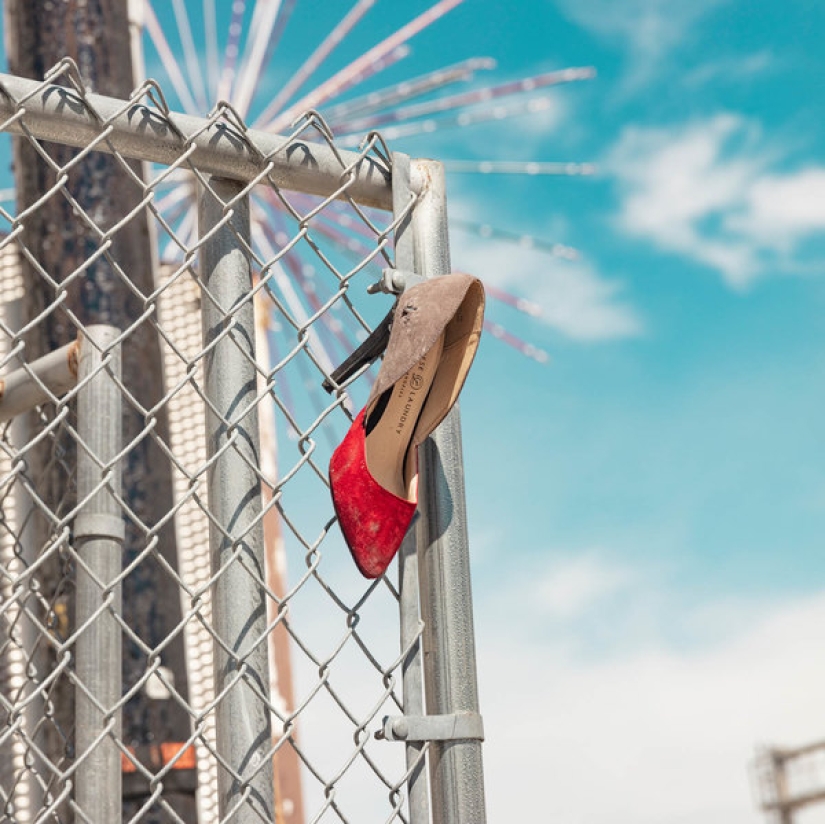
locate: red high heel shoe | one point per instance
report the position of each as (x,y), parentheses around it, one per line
(373,474)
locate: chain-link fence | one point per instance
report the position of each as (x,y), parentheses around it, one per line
(183,636)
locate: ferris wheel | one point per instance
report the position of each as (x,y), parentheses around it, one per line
(212,52)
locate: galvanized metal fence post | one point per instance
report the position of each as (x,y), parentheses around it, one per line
(245,775)
(411,667)
(456,771)
(99,533)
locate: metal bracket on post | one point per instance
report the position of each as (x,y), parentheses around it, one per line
(395,281)
(100,525)
(460,726)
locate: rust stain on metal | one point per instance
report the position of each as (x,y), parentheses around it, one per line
(428,178)
(73,357)
(2,389)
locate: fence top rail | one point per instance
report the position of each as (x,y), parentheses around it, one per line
(219,145)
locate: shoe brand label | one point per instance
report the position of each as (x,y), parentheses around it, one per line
(410,386)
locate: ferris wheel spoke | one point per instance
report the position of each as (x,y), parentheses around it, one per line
(340,215)
(338,33)
(173,215)
(192,65)
(528,307)
(280,25)
(350,133)
(182,238)
(297,309)
(351,243)
(268,21)
(527,349)
(484,230)
(330,327)
(540,81)
(345,81)
(517,167)
(169,61)
(407,90)
(179,193)
(231,51)
(362,67)
(471,98)
(210,32)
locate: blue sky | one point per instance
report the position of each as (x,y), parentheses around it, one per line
(678,401)
(646,509)
(658,542)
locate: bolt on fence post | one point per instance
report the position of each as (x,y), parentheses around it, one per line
(408,579)
(456,771)
(98,533)
(245,780)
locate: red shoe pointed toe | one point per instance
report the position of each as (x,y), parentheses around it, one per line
(372,519)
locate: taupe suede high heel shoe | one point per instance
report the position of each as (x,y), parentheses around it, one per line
(373,474)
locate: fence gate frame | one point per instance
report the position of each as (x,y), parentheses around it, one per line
(441,724)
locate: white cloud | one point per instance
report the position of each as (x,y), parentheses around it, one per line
(492,122)
(690,191)
(784,209)
(648,29)
(574,299)
(731,69)
(653,733)
(577,584)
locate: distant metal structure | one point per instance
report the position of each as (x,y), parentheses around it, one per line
(787,779)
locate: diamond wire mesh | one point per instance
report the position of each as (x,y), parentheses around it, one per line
(331,638)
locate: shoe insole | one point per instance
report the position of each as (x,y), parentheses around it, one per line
(389,441)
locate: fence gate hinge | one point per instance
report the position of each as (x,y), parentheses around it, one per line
(458,726)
